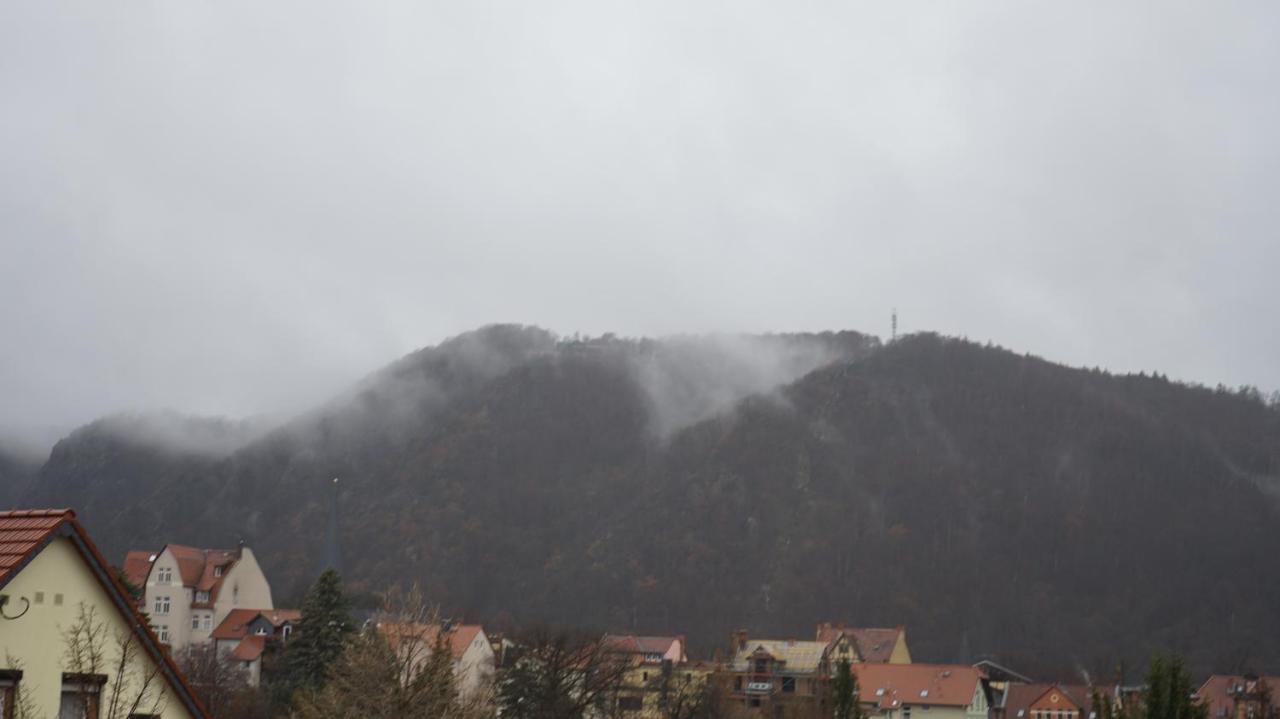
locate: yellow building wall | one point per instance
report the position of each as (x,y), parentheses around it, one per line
(35,640)
(900,655)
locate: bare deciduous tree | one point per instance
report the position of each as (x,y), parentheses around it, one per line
(110,668)
(400,666)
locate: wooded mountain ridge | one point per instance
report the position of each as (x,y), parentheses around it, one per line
(997,504)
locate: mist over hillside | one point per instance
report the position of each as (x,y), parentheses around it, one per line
(996,504)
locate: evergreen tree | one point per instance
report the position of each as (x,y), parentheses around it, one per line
(1169,691)
(322,633)
(844,691)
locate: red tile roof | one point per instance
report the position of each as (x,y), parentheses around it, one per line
(873,644)
(236,623)
(1215,692)
(1020,697)
(249,648)
(23,533)
(196,567)
(891,685)
(460,636)
(137,565)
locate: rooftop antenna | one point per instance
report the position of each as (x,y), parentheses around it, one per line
(894,322)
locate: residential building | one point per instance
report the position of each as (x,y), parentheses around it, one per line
(188,591)
(922,691)
(776,678)
(245,633)
(1045,701)
(659,674)
(1238,697)
(870,645)
(473,658)
(53,579)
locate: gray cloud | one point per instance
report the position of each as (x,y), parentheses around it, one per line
(239,208)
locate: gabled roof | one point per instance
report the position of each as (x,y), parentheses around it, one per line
(137,565)
(1217,689)
(874,644)
(196,567)
(1019,698)
(460,636)
(631,644)
(249,648)
(236,624)
(799,657)
(892,685)
(24,533)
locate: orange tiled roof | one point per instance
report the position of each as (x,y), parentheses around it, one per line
(891,685)
(236,623)
(1215,692)
(873,644)
(23,532)
(249,648)
(137,565)
(460,636)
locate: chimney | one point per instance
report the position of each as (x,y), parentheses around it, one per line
(738,640)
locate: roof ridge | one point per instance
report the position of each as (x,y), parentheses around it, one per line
(25,513)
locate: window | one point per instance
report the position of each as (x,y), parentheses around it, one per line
(906,711)
(789,685)
(79,698)
(202,596)
(162,605)
(195,622)
(630,704)
(762,666)
(39,597)
(162,631)
(286,630)
(57,600)
(9,679)
(206,622)
(217,571)
(164,575)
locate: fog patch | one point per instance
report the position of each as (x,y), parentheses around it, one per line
(687,379)
(179,433)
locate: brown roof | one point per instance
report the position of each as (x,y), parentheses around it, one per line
(195,567)
(460,636)
(137,565)
(1019,697)
(1216,692)
(236,623)
(873,644)
(249,648)
(23,533)
(629,644)
(891,685)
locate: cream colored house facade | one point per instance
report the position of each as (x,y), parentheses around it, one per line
(187,591)
(52,581)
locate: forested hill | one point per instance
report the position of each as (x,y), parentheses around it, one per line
(1058,518)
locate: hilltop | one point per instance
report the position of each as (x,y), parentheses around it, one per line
(996,503)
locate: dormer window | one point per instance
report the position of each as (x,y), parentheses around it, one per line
(202,596)
(217,571)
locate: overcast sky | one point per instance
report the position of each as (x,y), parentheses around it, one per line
(239,207)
